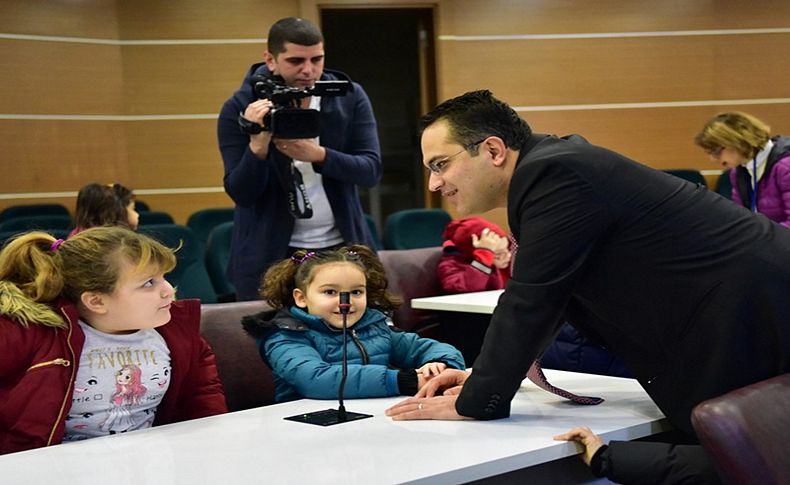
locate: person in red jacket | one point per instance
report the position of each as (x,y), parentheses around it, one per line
(476,257)
(93,343)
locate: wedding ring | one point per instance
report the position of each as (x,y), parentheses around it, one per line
(419,406)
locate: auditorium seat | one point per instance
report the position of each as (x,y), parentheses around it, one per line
(217,255)
(693,176)
(189,276)
(744,432)
(204,220)
(415,228)
(148,218)
(38,222)
(247,381)
(26,210)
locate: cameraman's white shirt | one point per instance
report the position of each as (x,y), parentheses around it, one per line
(320,230)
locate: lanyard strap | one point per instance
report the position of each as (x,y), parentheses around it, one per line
(298,202)
(754,184)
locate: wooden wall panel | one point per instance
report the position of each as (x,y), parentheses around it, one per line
(46,156)
(69,18)
(592,71)
(508,17)
(185,79)
(659,137)
(60,78)
(174,154)
(200,19)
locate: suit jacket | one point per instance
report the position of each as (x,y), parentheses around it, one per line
(687,288)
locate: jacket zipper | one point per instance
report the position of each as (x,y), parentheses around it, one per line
(58,361)
(359,345)
(69,392)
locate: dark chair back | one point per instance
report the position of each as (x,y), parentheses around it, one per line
(412,274)
(415,228)
(745,432)
(6,236)
(374,232)
(141,206)
(26,210)
(204,220)
(148,218)
(190,275)
(40,222)
(694,176)
(217,255)
(247,381)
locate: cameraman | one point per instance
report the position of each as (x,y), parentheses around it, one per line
(295,193)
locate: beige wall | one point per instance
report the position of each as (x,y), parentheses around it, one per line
(575,66)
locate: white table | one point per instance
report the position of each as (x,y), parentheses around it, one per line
(259,446)
(476,302)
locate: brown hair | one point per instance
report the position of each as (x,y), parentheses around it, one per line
(278,283)
(43,267)
(739,131)
(103,205)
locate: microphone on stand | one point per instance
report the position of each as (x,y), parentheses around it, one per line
(345,307)
(328,417)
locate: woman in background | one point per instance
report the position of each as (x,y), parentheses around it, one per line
(759,165)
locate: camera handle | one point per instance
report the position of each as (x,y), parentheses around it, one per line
(249,127)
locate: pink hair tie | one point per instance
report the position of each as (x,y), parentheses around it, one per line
(56,244)
(303,258)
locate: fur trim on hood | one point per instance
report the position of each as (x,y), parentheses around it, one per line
(14,304)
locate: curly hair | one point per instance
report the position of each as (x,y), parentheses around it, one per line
(282,278)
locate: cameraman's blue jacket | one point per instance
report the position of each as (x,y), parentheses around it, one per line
(262,223)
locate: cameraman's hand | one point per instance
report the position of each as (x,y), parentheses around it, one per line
(259,144)
(303,149)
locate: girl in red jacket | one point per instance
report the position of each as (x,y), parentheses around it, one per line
(93,342)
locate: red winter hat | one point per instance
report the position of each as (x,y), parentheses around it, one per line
(459,232)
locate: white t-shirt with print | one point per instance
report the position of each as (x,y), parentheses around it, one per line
(120,381)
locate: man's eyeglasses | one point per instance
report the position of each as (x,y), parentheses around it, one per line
(438,166)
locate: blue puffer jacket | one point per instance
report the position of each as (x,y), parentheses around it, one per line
(305,354)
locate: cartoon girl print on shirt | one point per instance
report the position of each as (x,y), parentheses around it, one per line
(128,392)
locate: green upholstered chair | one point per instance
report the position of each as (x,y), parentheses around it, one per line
(27,210)
(415,228)
(148,218)
(204,220)
(217,255)
(42,222)
(189,276)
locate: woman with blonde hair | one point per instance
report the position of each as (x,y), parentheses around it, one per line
(759,164)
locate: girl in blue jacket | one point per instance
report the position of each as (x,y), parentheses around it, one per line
(302,341)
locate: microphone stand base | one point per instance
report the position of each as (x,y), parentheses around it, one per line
(328,417)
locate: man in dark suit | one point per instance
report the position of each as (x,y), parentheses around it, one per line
(688,289)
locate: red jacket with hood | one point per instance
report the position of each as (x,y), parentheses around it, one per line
(38,365)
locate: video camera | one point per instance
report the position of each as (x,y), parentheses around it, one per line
(286,119)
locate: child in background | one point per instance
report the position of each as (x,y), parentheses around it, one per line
(476,256)
(301,340)
(105,205)
(92,342)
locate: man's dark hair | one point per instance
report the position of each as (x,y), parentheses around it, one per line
(478,114)
(294,30)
